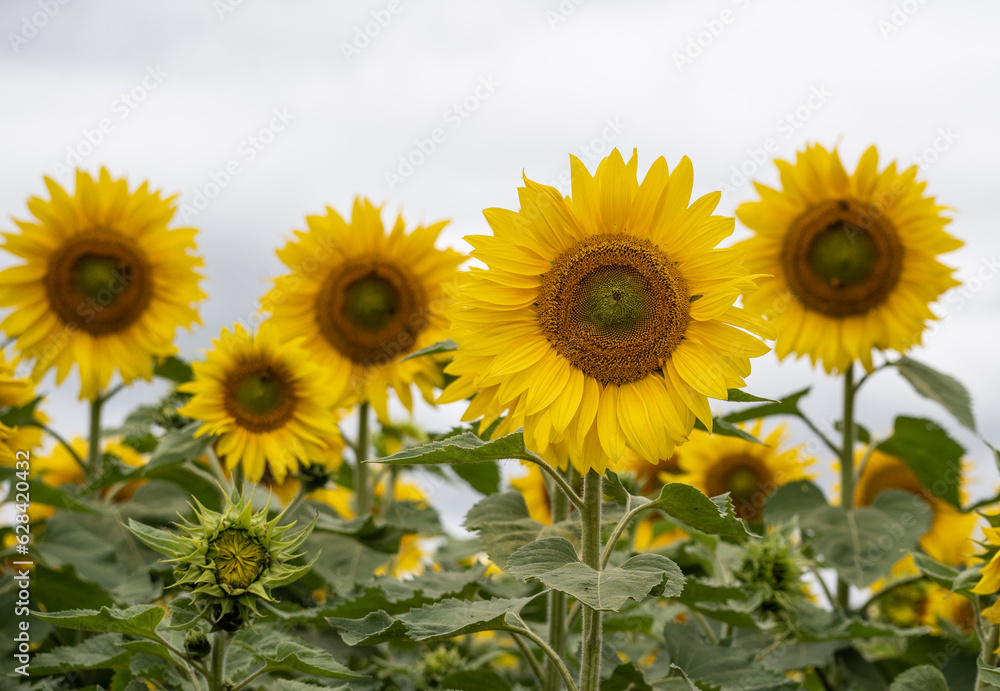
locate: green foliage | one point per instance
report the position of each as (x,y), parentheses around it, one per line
(933,456)
(939,387)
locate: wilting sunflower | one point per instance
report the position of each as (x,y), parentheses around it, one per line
(948,538)
(749,472)
(270,404)
(604,320)
(363,299)
(854,257)
(104,283)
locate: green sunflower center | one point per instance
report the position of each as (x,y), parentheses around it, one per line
(371,310)
(743,482)
(99,281)
(239,558)
(371,303)
(841,258)
(615,306)
(259,395)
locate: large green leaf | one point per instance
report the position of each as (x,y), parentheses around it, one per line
(922,678)
(989,675)
(861,544)
(555,563)
(483,477)
(298,657)
(461,448)
(475,680)
(396,597)
(685,503)
(724,428)
(179,445)
(100,652)
(140,620)
(933,456)
(939,387)
(503,524)
(174,369)
(740,396)
(158,539)
(374,628)
(789,405)
(369,530)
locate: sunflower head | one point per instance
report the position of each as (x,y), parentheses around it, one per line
(853,257)
(18,413)
(271,407)
(104,283)
(231,559)
(604,320)
(773,567)
(748,472)
(949,538)
(363,298)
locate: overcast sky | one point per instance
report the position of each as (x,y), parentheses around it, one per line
(260,112)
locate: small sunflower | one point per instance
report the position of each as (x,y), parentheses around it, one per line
(604,320)
(749,472)
(854,257)
(104,284)
(362,299)
(16,392)
(271,406)
(920,603)
(948,538)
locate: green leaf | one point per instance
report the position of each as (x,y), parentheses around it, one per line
(461,448)
(922,678)
(445,346)
(714,516)
(861,433)
(298,657)
(789,405)
(939,387)
(503,524)
(21,415)
(368,530)
(483,477)
(157,539)
(174,369)
(140,620)
(474,680)
(989,675)
(798,498)
(396,597)
(100,652)
(377,627)
(724,428)
(457,617)
(739,396)
(933,456)
(179,445)
(942,574)
(554,562)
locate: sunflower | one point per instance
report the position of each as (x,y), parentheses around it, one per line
(362,299)
(16,392)
(919,603)
(749,472)
(854,258)
(604,320)
(532,487)
(651,476)
(104,284)
(948,537)
(271,406)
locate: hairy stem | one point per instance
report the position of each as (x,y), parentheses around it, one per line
(362,493)
(847,470)
(557,604)
(590,654)
(95,460)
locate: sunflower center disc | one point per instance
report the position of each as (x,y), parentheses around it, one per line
(615,306)
(371,311)
(259,397)
(748,481)
(842,259)
(888,477)
(743,482)
(99,281)
(240,559)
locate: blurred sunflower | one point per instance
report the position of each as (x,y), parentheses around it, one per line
(948,538)
(362,299)
(532,487)
(920,602)
(604,320)
(16,392)
(854,257)
(104,284)
(652,532)
(749,472)
(271,406)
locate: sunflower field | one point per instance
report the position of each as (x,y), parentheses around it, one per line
(276,512)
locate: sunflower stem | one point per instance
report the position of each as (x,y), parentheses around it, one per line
(94,457)
(847,471)
(557,604)
(590,653)
(217,672)
(362,496)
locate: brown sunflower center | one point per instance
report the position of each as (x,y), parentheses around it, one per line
(260,396)
(841,258)
(747,480)
(615,306)
(371,311)
(239,558)
(99,281)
